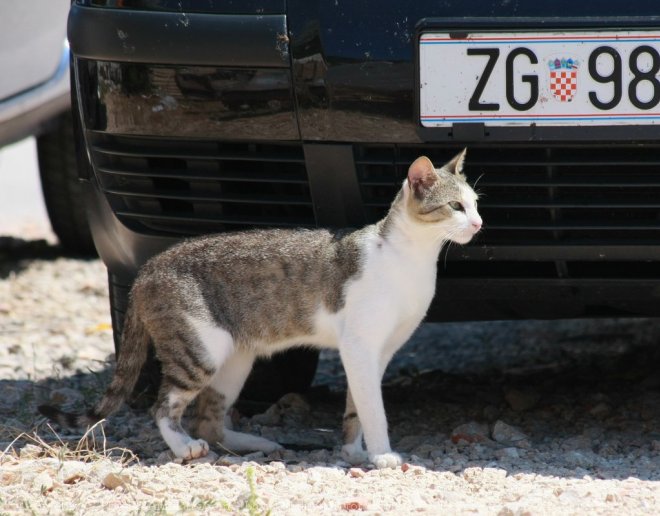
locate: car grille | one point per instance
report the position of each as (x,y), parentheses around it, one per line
(183,188)
(574,204)
(550,211)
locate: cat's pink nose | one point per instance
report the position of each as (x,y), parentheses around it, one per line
(476,225)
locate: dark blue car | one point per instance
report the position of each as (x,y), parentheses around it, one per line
(210,115)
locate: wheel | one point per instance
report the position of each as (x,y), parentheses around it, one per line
(291,371)
(62,190)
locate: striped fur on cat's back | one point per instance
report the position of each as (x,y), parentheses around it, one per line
(212,304)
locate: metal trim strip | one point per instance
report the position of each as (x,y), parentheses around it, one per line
(176,38)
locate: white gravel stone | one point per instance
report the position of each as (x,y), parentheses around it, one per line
(507,434)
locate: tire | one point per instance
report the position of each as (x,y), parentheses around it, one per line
(62,189)
(291,371)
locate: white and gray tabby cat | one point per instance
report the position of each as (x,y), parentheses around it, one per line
(211,305)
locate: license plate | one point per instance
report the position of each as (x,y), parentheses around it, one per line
(540,78)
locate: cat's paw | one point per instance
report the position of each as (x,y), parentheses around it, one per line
(269,446)
(386,460)
(240,442)
(195,449)
(354,454)
(211,458)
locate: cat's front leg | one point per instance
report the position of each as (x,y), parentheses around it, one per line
(361,364)
(352,451)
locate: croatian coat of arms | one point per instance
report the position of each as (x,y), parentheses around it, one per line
(563,78)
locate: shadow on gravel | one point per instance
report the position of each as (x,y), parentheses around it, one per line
(597,416)
(16,253)
(522,397)
(19,400)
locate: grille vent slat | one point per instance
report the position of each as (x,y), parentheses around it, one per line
(200,225)
(188,176)
(185,197)
(181,188)
(291,157)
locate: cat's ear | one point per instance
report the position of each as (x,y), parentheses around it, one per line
(455,166)
(421,175)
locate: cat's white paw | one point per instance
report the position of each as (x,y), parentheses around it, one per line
(195,449)
(210,458)
(270,446)
(240,442)
(386,460)
(354,454)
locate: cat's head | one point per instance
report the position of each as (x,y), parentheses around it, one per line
(442,198)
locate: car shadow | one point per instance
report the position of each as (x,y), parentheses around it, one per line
(16,253)
(598,420)
(579,422)
(14,250)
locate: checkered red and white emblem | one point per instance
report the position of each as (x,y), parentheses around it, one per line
(563,84)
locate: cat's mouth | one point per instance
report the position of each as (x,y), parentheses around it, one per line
(465,235)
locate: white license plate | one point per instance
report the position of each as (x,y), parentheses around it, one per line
(540,78)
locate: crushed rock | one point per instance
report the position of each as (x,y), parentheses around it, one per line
(583,436)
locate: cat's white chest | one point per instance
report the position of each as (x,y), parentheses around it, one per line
(412,284)
(398,285)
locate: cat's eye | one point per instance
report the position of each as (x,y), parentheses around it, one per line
(456,206)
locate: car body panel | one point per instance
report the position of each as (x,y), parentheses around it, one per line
(181,38)
(31,37)
(195,6)
(354,67)
(34,57)
(189,101)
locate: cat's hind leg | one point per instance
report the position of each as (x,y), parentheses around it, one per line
(190,357)
(228,382)
(172,402)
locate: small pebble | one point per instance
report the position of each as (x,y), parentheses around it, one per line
(359,473)
(114,480)
(471,432)
(507,434)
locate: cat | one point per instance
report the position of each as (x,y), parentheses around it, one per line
(212,304)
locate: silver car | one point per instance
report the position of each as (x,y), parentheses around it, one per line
(35,100)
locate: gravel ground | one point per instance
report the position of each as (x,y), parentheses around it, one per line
(491,418)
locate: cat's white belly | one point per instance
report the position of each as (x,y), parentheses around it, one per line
(327,327)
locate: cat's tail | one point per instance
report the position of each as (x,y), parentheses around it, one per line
(133,355)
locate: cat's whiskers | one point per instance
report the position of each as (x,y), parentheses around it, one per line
(444,262)
(474,186)
(449,239)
